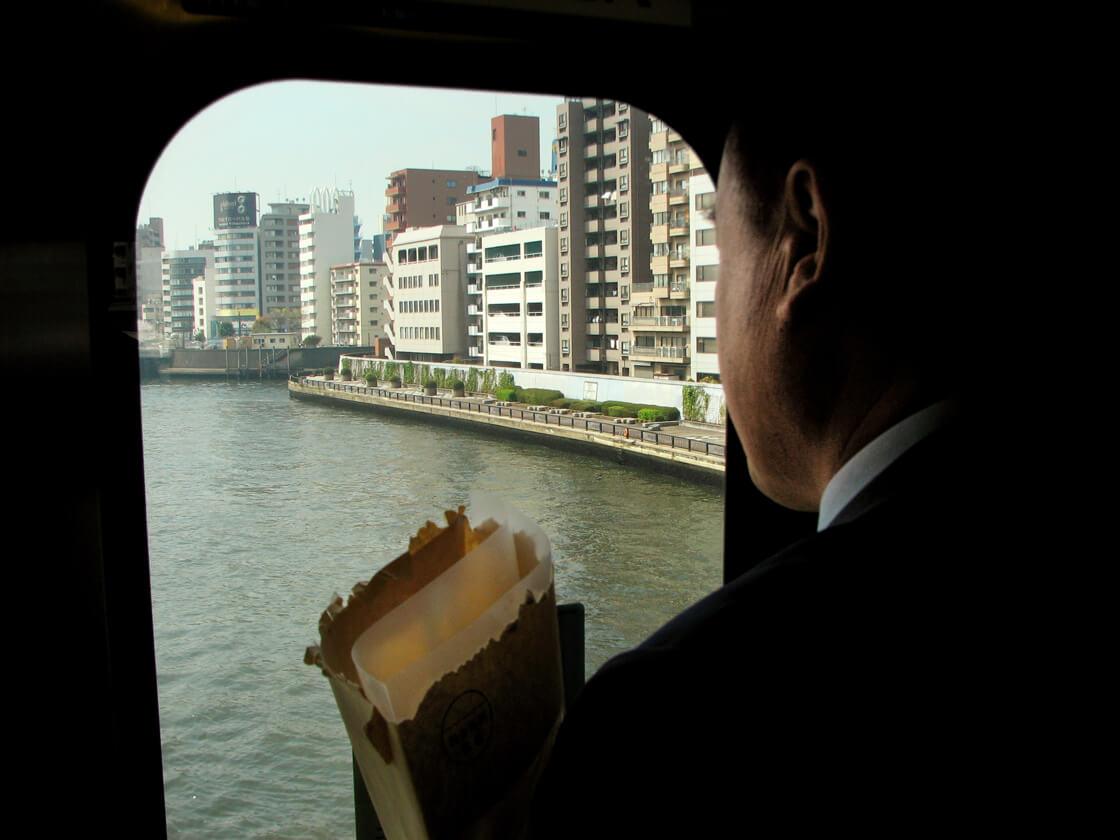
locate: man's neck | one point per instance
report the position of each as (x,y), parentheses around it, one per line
(858,471)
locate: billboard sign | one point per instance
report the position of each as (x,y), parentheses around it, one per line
(235,210)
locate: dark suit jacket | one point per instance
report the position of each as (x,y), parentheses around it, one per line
(855,681)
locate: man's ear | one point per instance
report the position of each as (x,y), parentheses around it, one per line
(804,229)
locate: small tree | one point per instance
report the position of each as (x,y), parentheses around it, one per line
(225,329)
(312,341)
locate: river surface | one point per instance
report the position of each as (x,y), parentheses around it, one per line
(260,507)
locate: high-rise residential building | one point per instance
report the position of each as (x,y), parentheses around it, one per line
(357,291)
(515,147)
(604,220)
(149,264)
(425,197)
(280,279)
(660,317)
(236,260)
(426,293)
(180,268)
(327,236)
(150,235)
(518,295)
(703,271)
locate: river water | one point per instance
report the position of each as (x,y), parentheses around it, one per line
(260,507)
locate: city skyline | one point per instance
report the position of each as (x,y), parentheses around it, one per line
(332,135)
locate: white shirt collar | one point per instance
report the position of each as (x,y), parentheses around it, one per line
(876,456)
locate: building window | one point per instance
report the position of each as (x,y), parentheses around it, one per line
(563,170)
(564,295)
(624,209)
(563,195)
(564,320)
(545,214)
(563,244)
(564,346)
(624,265)
(624,236)
(564,220)
(705,345)
(705,201)
(561,121)
(563,269)
(707,273)
(623,156)
(623,183)
(706,236)
(451,185)
(705,309)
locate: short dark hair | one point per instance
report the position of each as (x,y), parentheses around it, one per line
(901,187)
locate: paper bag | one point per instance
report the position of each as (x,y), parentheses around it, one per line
(457,690)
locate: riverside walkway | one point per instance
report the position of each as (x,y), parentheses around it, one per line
(696,449)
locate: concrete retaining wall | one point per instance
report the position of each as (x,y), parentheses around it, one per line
(601,387)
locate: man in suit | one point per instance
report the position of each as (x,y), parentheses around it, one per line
(860,679)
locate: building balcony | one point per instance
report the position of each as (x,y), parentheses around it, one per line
(678,197)
(661,323)
(394,225)
(395,207)
(659,353)
(394,190)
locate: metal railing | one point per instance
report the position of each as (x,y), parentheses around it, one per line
(602,425)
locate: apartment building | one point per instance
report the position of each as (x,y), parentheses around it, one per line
(703,273)
(149,267)
(236,259)
(279,238)
(357,291)
(328,236)
(180,268)
(426,293)
(425,198)
(604,221)
(513,310)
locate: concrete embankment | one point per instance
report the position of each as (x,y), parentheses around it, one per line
(666,450)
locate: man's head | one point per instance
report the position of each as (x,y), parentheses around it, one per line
(835,223)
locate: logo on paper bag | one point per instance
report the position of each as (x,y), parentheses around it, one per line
(468,725)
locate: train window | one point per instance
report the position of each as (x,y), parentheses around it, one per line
(253,232)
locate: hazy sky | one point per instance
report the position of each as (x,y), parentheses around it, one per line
(284,139)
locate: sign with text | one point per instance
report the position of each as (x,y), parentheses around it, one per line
(235,210)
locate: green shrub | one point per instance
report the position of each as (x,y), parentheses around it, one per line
(327,371)
(472,380)
(506,394)
(653,412)
(430,383)
(586,405)
(458,384)
(505,380)
(538,396)
(561,403)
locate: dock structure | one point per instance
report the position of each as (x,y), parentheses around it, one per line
(691,451)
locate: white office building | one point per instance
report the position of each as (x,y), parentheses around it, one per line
(426,293)
(327,237)
(519,293)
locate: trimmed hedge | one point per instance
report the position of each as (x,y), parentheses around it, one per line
(506,394)
(653,412)
(537,396)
